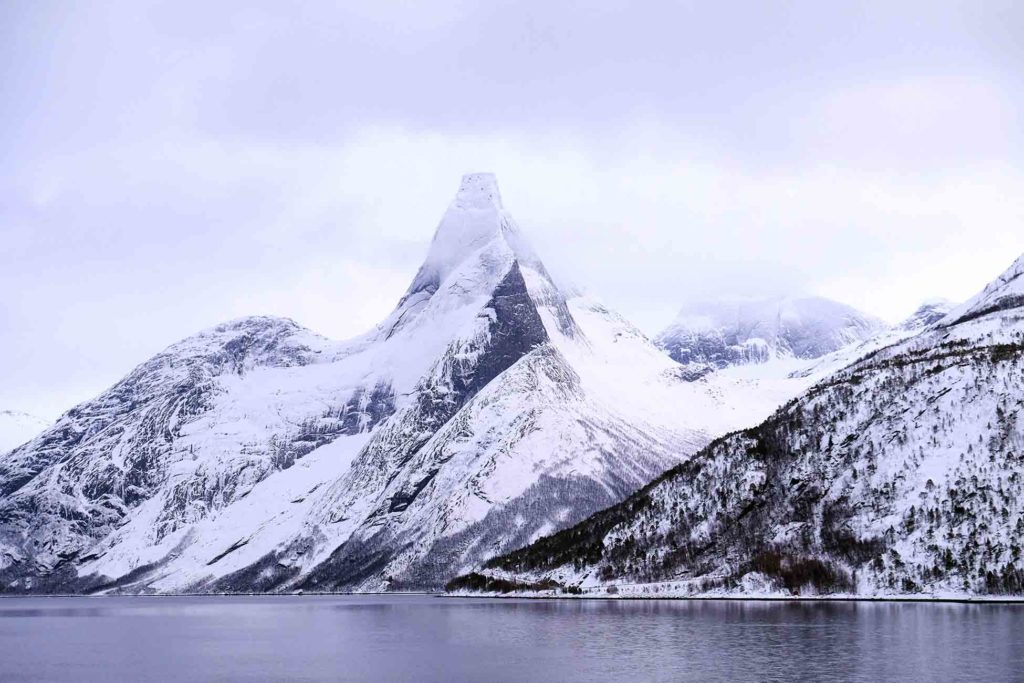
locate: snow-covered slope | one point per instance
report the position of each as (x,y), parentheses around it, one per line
(722,333)
(486,410)
(1004,293)
(900,474)
(17,427)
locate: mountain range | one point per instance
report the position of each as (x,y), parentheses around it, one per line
(487,409)
(493,414)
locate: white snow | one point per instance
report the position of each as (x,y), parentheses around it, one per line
(1008,286)
(597,407)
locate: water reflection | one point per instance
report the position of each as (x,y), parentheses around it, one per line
(421,638)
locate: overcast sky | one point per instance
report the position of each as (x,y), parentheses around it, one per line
(167,166)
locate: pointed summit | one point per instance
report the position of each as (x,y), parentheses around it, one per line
(475,220)
(476,245)
(478,191)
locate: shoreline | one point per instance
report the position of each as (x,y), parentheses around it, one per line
(965,600)
(214,595)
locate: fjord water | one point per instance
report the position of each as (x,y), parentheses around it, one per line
(423,638)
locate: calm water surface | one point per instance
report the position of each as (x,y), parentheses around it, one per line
(421,638)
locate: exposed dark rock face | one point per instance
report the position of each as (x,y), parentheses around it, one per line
(715,350)
(514,329)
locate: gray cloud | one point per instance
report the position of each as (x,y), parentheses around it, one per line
(164,167)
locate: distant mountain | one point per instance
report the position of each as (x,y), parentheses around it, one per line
(17,427)
(901,474)
(489,408)
(927,314)
(722,333)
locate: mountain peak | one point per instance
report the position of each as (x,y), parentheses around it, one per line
(473,220)
(478,191)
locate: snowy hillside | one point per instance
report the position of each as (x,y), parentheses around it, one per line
(1006,293)
(722,333)
(900,474)
(487,410)
(925,316)
(17,427)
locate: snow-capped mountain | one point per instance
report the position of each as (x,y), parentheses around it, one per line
(927,314)
(902,473)
(17,427)
(721,333)
(486,410)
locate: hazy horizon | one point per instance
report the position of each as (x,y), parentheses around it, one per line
(161,175)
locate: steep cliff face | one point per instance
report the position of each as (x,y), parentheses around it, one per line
(486,410)
(900,474)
